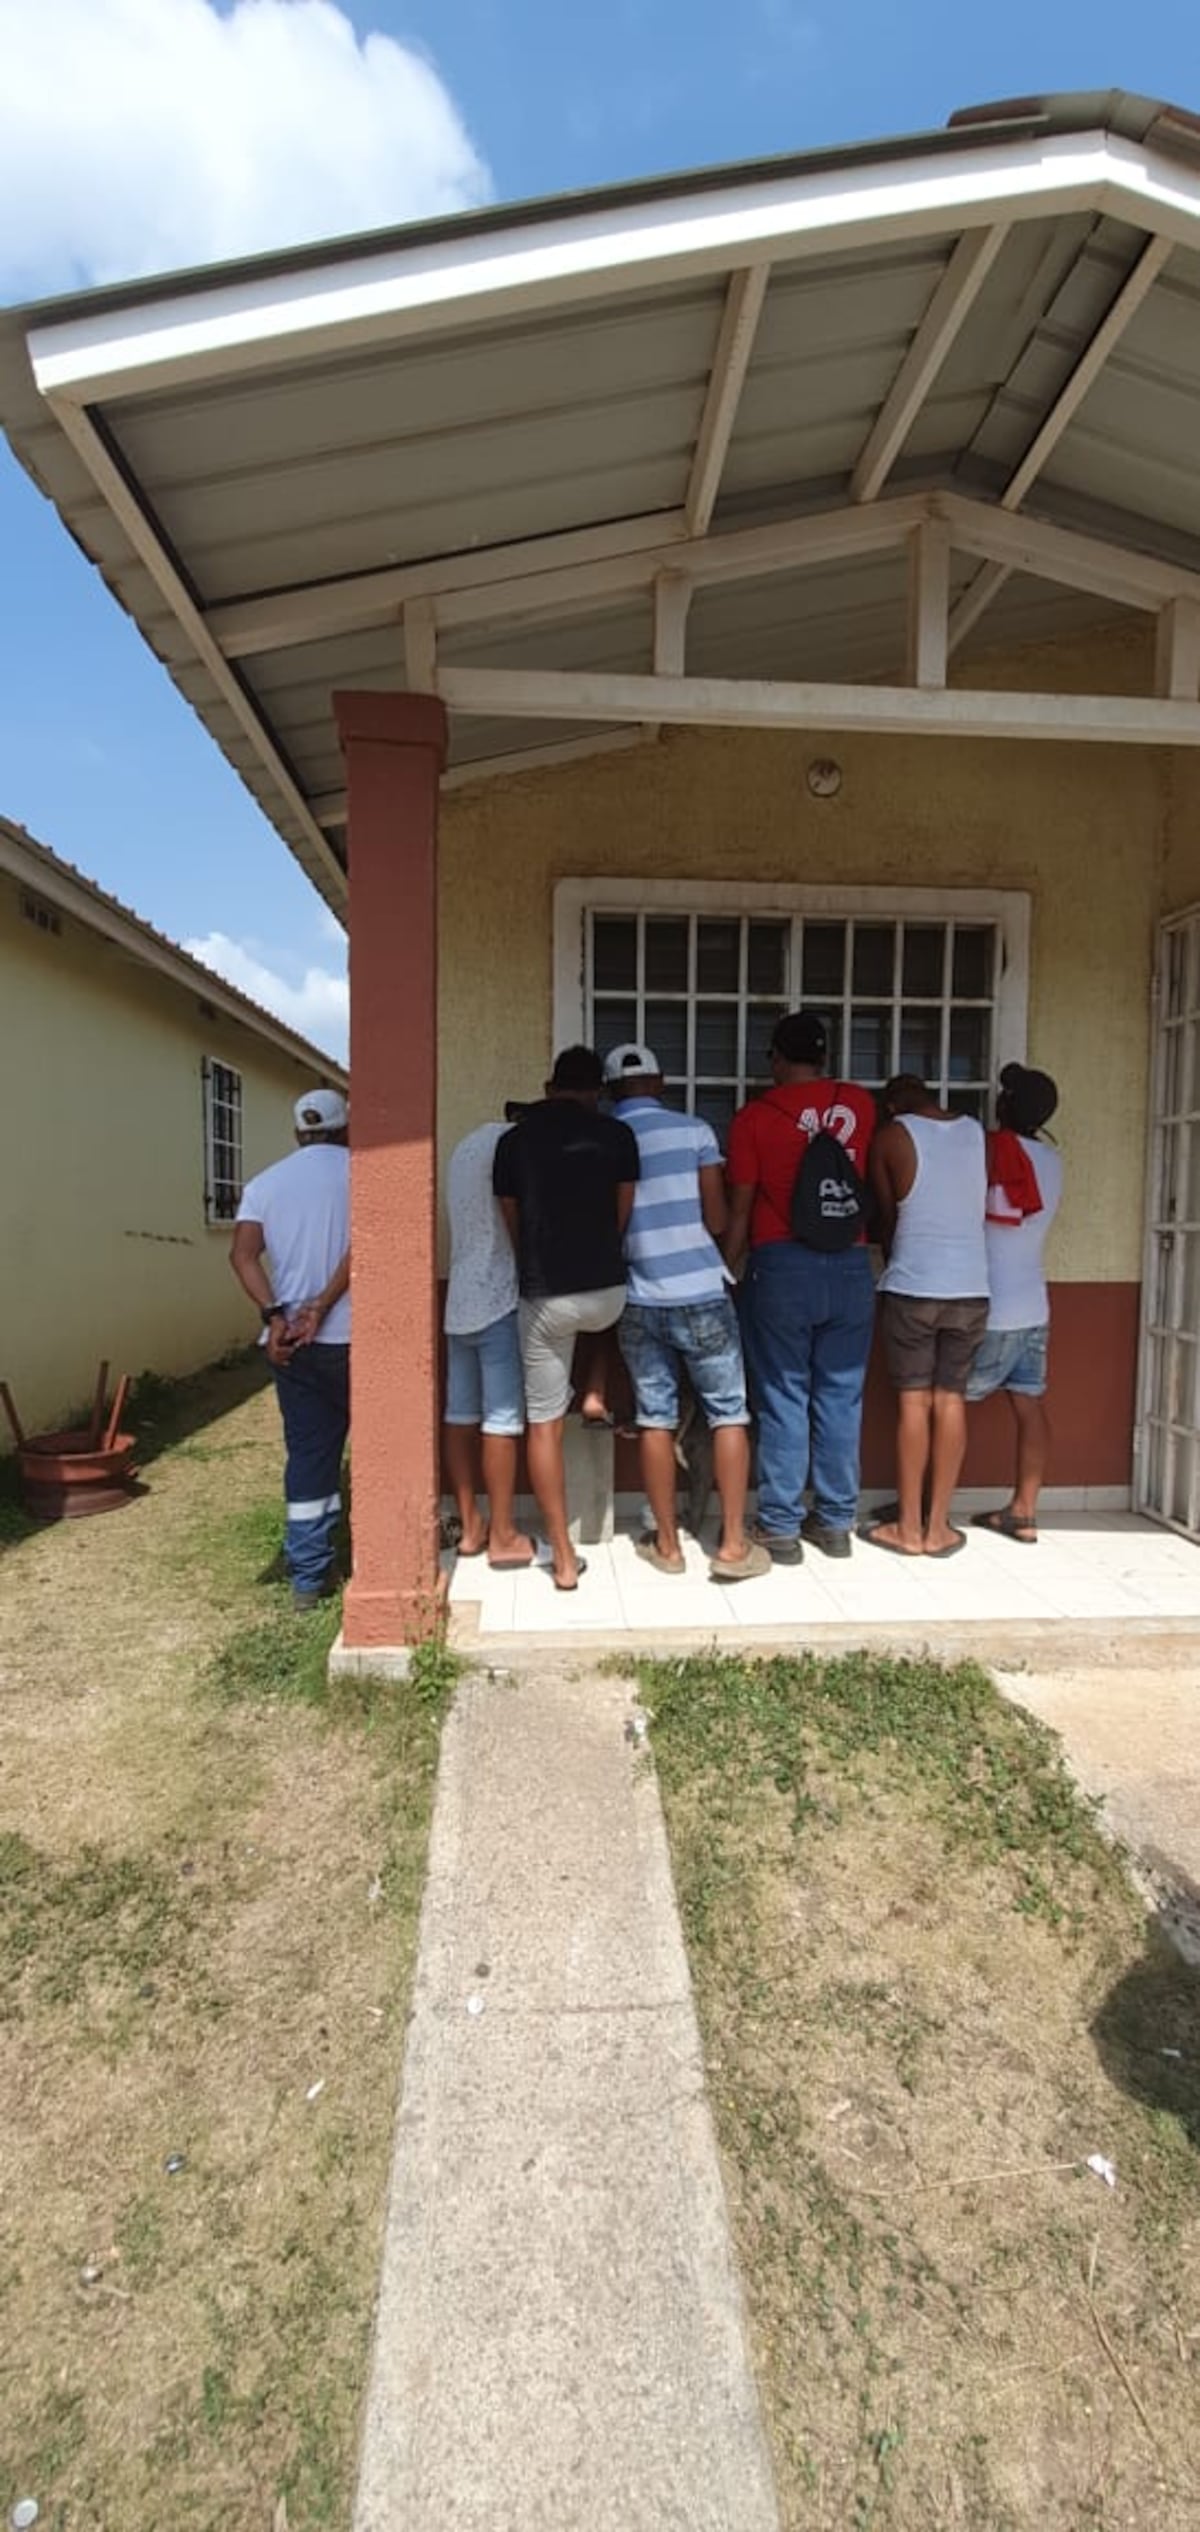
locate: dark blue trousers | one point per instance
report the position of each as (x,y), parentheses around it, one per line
(314,1401)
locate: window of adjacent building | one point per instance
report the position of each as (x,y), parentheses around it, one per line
(222,1140)
(929,987)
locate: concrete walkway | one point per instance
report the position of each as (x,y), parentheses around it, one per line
(560,2341)
(1130,1731)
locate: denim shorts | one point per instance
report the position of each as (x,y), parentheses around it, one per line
(704,1337)
(1010,1358)
(483,1378)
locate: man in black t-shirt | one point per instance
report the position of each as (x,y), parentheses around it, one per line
(564,1176)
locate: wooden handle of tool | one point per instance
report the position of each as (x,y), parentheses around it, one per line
(6,1398)
(118,1410)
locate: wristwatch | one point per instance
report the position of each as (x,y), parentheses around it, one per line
(274,1310)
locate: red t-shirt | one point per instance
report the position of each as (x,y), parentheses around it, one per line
(769,1137)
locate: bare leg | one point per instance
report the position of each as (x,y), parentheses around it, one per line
(949,1452)
(660,1478)
(1033,1451)
(907,1532)
(505,1540)
(462,1467)
(731,1470)
(593,1374)
(547,1476)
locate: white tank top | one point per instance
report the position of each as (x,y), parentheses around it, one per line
(940,1250)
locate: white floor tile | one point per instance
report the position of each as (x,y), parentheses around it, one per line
(1087,1566)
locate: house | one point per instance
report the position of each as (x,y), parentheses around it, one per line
(641,611)
(141,1091)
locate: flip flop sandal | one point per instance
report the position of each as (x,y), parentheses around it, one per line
(511,1564)
(651,1554)
(544,1560)
(756,1562)
(580,1570)
(957,1544)
(469,1552)
(888,1547)
(1005,1525)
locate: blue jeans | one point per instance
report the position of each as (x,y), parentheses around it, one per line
(314,1401)
(807,1322)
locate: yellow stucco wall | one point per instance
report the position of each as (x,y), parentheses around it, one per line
(104,1248)
(1082,829)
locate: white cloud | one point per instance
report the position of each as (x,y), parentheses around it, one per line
(137,135)
(318,1006)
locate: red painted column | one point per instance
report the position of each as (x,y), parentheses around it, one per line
(394,747)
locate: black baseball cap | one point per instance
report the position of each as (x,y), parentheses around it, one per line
(801,1037)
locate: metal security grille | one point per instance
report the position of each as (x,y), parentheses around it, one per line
(222,1141)
(1167,1483)
(705,992)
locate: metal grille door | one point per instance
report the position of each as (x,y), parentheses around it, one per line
(1167,1474)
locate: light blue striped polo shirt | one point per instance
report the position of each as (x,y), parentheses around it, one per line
(670,1256)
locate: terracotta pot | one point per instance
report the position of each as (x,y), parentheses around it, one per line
(64,1476)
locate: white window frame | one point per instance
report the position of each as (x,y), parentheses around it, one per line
(1008,909)
(214,1217)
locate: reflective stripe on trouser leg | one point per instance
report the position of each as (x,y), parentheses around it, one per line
(314,1401)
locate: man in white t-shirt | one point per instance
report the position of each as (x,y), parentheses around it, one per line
(485,1387)
(1024,1194)
(294,1220)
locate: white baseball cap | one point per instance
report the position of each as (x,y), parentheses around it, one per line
(631,1062)
(320,1112)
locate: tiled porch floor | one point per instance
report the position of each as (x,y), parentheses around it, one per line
(1087,1567)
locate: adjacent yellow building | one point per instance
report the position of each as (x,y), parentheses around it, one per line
(140,1091)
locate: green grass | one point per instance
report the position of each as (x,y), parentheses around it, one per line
(236,1915)
(817,1731)
(926,1994)
(89,1933)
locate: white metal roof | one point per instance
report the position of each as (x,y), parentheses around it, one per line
(515,434)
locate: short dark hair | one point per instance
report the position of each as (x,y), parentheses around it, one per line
(904,1091)
(577,1068)
(801,1037)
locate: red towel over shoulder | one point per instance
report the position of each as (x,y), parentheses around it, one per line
(1013,1191)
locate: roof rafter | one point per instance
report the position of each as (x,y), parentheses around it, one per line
(944,318)
(552,574)
(1134,289)
(323,864)
(731,360)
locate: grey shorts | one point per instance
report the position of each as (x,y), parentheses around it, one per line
(931,1344)
(548,1332)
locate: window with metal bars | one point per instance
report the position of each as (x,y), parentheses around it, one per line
(222,1140)
(705,990)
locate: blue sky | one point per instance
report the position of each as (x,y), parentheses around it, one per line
(98,755)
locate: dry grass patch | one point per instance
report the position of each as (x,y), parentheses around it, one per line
(927,1997)
(209,1880)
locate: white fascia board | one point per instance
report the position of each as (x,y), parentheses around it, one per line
(762,704)
(233,328)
